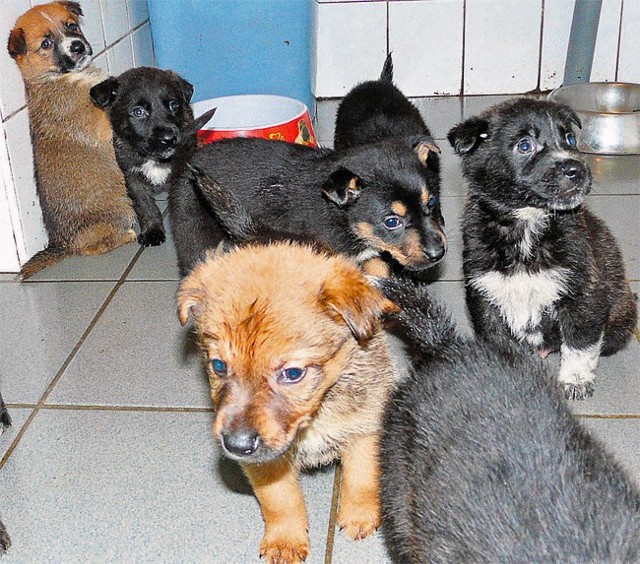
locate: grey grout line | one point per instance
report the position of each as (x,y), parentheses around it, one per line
(70,357)
(333,515)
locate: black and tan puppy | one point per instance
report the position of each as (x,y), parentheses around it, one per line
(482,461)
(299,375)
(153,126)
(5,421)
(81,189)
(539,267)
(367,202)
(377,110)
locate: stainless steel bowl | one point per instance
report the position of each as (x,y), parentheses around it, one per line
(610,114)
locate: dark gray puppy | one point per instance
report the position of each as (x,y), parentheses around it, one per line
(5,421)
(539,267)
(150,113)
(482,461)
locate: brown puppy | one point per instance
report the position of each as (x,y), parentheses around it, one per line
(299,376)
(81,189)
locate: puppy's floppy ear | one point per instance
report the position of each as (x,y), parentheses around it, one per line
(73,7)
(185,87)
(466,136)
(17,44)
(192,295)
(104,93)
(202,120)
(566,113)
(423,146)
(347,296)
(342,187)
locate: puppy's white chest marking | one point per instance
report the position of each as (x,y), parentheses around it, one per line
(535,221)
(523,297)
(154,172)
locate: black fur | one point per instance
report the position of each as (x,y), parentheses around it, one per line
(5,421)
(482,461)
(153,127)
(310,193)
(524,217)
(377,110)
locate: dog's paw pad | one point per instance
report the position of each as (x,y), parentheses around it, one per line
(284,551)
(152,237)
(578,391)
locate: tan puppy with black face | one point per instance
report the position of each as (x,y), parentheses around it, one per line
(81,188)
(299,375)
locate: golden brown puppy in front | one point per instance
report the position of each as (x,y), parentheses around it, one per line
(82,193)
(300,373)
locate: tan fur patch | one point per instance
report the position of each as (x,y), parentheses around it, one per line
(399,209)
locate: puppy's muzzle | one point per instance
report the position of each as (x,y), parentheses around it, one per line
(241,443)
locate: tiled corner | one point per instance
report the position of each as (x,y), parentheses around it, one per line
(40,325)
(426,41)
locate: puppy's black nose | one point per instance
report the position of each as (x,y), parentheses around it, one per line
(167,138)
(572,169)
(435,253)
(77,47)
(242,442)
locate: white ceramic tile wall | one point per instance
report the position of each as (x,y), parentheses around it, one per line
(119,33)
(628,62)
(426,41)
(503,52)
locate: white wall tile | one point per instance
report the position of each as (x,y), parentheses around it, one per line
(115,19)
(120,56)
(102,62)
(21,160)
(604,58)
(629,62)
(138,12)
(11,86)
(143,54)
(425,37)
(91,24)
(9,261)
(502,46)
(351,45)
(558,15)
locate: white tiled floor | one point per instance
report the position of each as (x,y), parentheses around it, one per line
(110,458)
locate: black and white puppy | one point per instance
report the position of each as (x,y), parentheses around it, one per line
(150,112)
(539,267)
(482,460)
(5,421)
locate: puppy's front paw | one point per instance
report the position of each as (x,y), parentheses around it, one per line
(284,550)
(152,237)
(574,391)
(359,520)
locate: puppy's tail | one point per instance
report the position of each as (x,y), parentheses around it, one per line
(424,326)
(233,216)
(387,70)
(42,259)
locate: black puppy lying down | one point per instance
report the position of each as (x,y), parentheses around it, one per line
(482,460)
(365,202)
(153,129)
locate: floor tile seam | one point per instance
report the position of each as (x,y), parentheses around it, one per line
(333,514)
(74,351)
(124,408)
(610,416)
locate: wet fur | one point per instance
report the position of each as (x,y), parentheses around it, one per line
(529,239)
(482,461)
(341,198)
(252,311)
(81,189)
(149,148)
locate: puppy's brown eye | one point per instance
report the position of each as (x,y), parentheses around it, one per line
(219,367)
(46,43)
(291,375)
(174,106)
